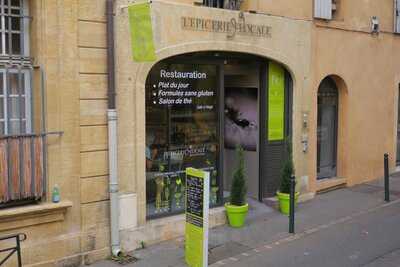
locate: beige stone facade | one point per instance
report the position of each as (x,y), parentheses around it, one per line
(68,42)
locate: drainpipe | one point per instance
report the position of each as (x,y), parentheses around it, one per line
(112,133)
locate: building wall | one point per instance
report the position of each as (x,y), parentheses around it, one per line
(94,194)
(366,69)
(68,40)
(367,64)
(289,44)
(53,230)
(68,45)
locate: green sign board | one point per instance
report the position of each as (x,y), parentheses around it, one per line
(141,32)
(276,102)
(197,206)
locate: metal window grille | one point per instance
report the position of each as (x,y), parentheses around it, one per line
(226,4)
(15,69)
(23,150)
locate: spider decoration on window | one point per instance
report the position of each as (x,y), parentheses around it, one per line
(236,117)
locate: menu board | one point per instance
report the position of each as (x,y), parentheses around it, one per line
(197,206)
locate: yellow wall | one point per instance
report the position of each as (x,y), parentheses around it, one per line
(68,39)
(369,67)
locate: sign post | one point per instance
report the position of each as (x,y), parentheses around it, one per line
(197,206)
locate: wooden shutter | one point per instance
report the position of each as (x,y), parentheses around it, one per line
(323,9)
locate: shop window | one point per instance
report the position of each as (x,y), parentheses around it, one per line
(181,131)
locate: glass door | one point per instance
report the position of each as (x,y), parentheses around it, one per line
(327,129)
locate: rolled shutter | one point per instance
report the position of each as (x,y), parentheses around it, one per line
(323,9)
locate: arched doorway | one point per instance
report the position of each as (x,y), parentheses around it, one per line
(327,129)
(199,107)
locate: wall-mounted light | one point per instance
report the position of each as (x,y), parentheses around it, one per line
(375,25)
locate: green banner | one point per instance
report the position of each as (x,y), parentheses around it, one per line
(196,229)
(276,102)
(141,32)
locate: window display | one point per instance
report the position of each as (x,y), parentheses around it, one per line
(181,132)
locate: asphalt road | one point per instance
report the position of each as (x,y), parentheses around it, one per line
(371,239)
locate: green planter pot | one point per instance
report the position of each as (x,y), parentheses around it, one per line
(236,214)
(284,201)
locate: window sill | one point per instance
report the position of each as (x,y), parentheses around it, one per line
(13,218)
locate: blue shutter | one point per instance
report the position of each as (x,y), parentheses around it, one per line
(323,9)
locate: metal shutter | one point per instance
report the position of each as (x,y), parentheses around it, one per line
(273,154)
(397,16)
(323,9)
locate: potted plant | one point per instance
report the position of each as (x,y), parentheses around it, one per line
(238,207)
(286,173)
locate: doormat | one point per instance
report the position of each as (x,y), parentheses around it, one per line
(124,259)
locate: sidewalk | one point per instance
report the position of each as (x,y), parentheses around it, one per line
(266,226)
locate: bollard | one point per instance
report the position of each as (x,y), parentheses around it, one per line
(291,206)
(386,167)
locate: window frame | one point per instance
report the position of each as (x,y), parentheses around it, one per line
(6,96)
(12,63)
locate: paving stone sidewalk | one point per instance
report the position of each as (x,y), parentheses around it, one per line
(266,227)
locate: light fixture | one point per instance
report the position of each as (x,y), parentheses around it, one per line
(375,25)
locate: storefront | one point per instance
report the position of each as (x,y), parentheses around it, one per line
(199,108)
(214,84)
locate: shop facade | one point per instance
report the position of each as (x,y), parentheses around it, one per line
(316,113)
(206,93)
(261,77)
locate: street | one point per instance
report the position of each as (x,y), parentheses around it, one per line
(345,227)
(369,239)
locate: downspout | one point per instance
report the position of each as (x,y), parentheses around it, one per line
(112,133)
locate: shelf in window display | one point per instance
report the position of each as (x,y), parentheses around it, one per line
(154,175)
(190,115)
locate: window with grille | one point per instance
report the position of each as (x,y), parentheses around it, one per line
(226,4)
(15,68)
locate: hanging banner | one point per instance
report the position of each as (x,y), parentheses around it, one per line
(141,32)
(197,206)
(276,102)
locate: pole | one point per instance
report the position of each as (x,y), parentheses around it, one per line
(291,207)
(386,167)
(19,252)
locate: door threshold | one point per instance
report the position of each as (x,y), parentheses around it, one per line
(329,184)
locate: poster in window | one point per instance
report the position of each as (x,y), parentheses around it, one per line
(241,122)
(276,102)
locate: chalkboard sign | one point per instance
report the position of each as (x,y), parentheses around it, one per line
(194,187)
(197,206)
